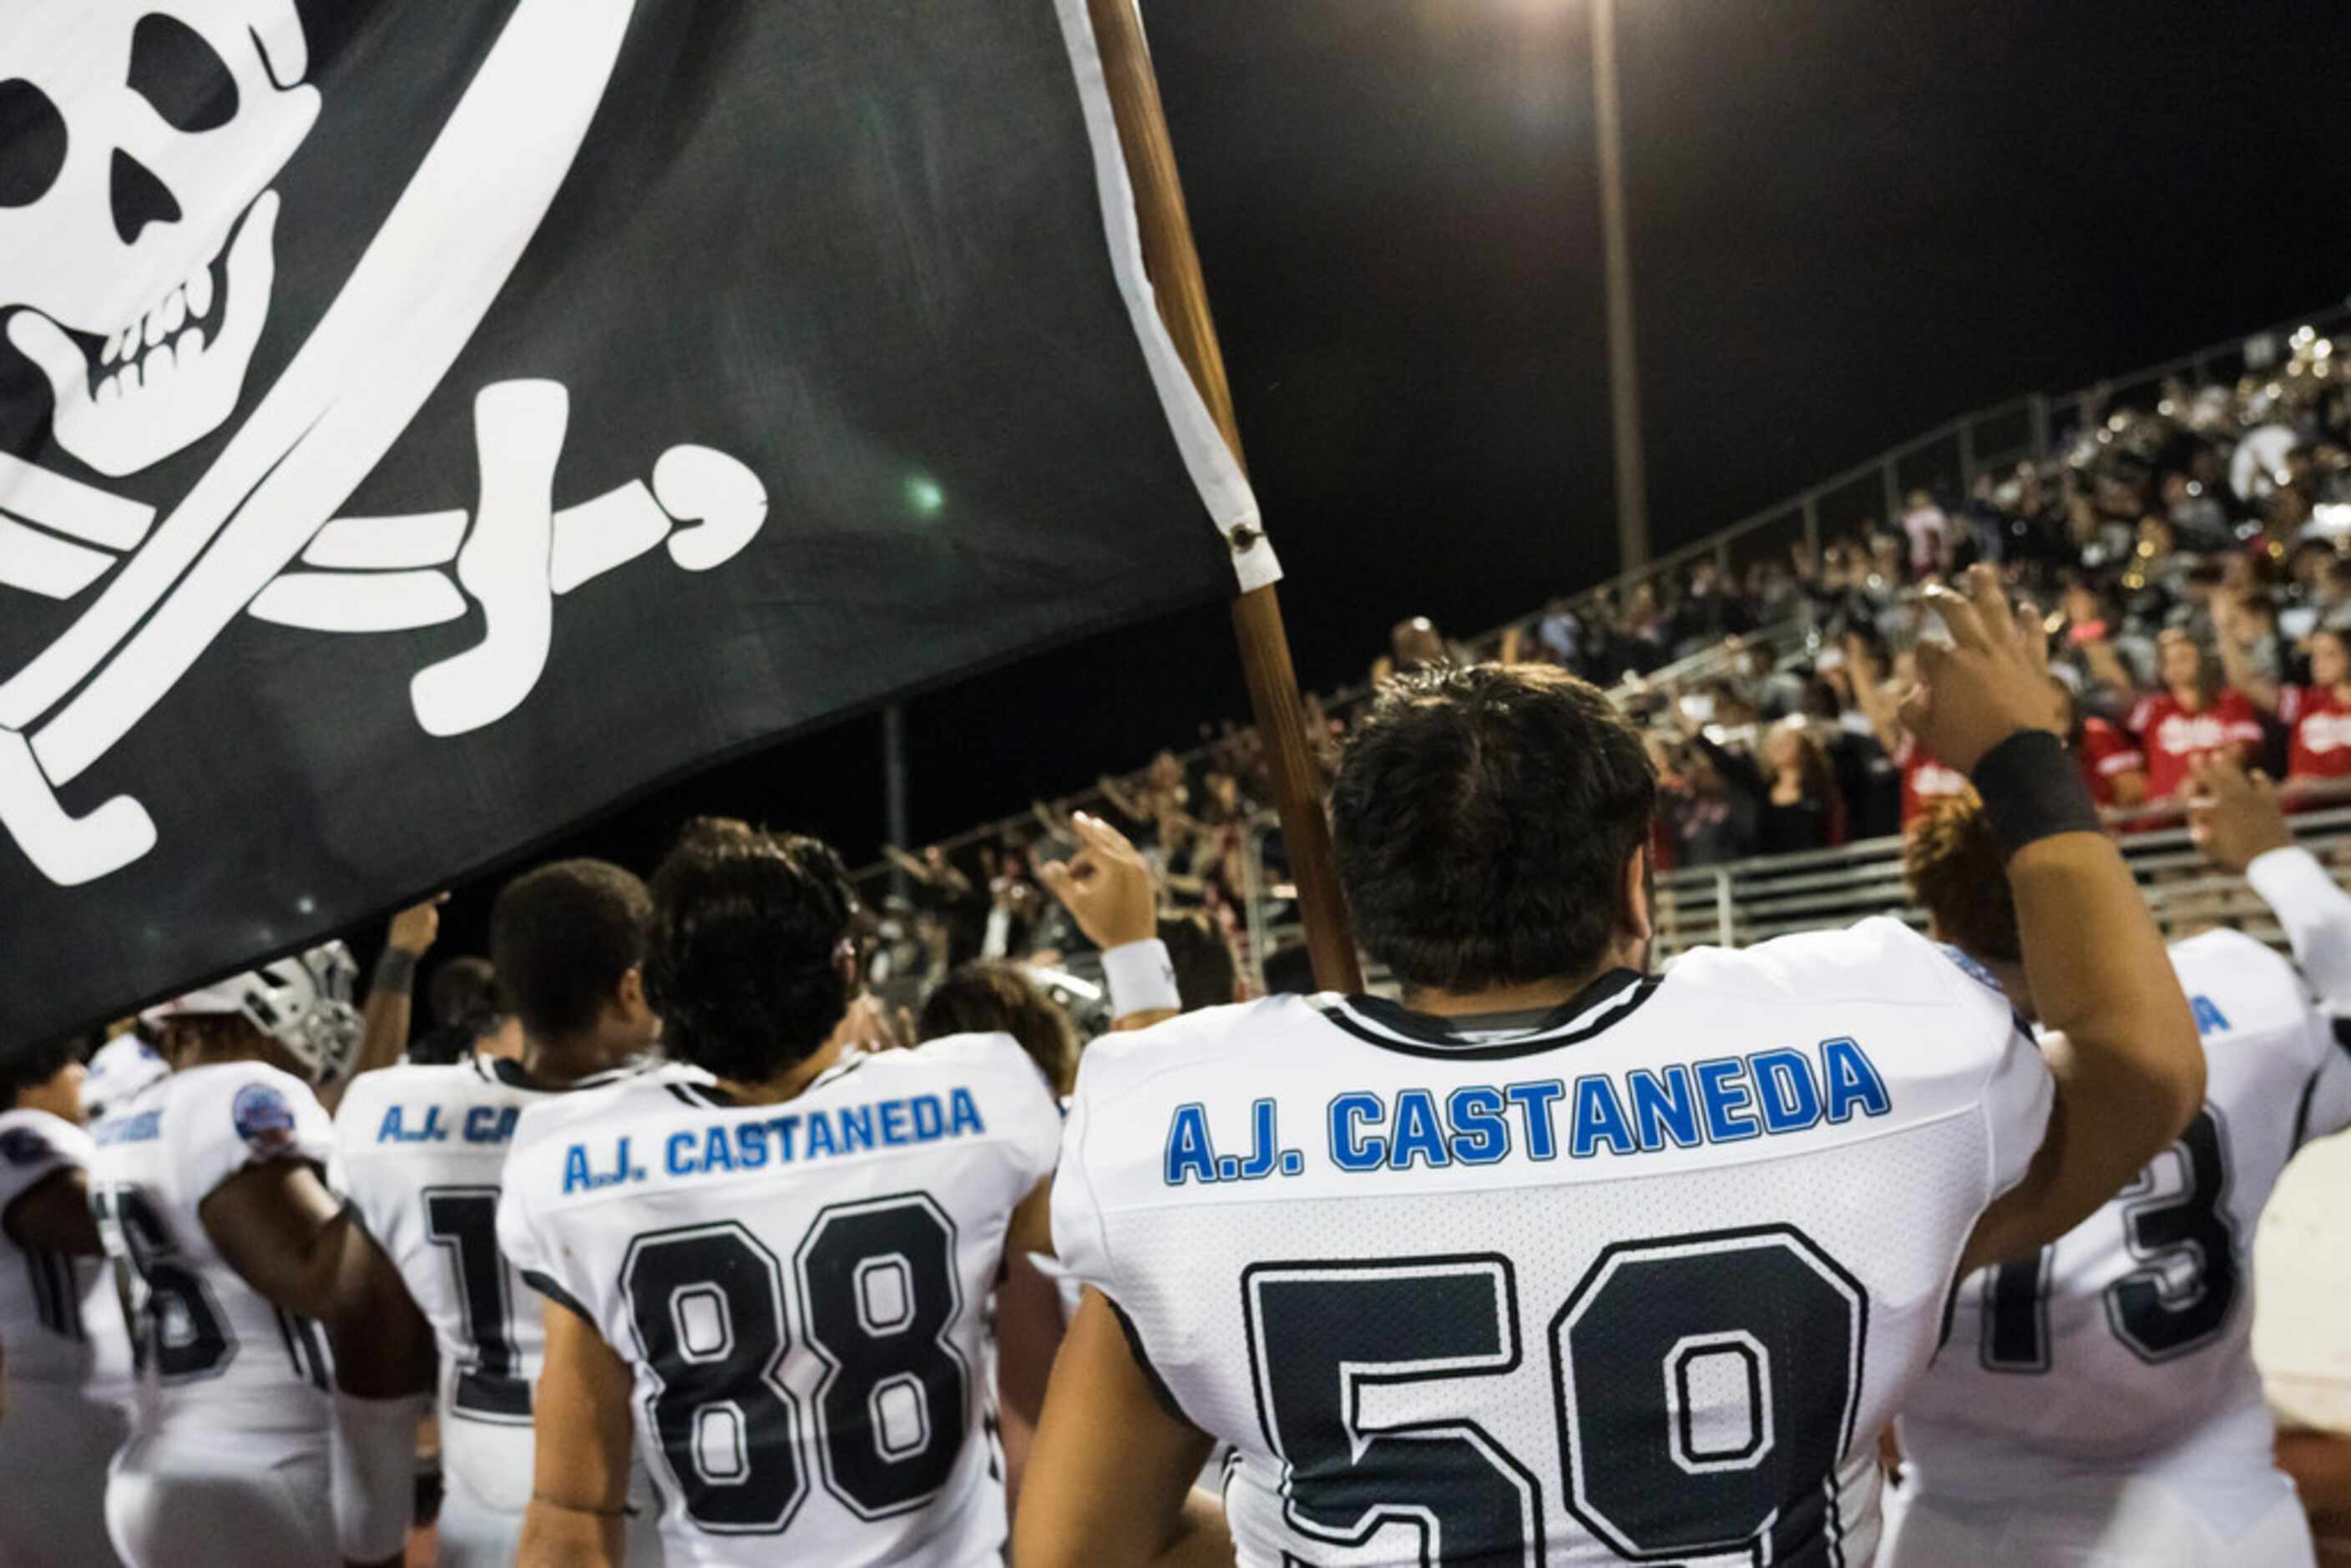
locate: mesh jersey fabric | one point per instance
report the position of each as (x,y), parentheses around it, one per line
(421,1152)
(800,1291)
(2126,1346)
(1647,1277)
(216,1360)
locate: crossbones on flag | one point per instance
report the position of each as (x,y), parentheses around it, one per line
(424,424)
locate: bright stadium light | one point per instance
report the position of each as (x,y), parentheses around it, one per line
(923,495)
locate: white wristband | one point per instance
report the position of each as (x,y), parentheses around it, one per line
(1142,979)
(375,1474)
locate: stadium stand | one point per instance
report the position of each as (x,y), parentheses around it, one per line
(2206,500)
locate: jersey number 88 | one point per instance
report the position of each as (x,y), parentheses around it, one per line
(877,1295)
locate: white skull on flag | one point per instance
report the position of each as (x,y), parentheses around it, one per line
(140,149)
(142,139)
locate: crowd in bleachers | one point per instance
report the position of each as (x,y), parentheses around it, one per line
(2189,560)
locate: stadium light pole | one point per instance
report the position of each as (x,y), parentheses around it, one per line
(1624,371)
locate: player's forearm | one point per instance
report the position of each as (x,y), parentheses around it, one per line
(2316,915)
(2101,978)
(2132,1067)
(2320,1464)
(384,1347)
(555,1536)
(282,1231)
(54,1217)
(386,1020)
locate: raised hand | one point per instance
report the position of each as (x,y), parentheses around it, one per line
(2234,816)
(1106,887)
(1987,686)
(871,1025)
(417,927)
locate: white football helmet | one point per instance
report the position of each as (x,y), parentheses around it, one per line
(302,1001)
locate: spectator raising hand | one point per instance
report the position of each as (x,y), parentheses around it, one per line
(2235,818)
(871,1025)
(1106,887)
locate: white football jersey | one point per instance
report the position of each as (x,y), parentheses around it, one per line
(119,1070)
(54,1308)
(1644,1277)
(801,1290)
(215,1357)
(421,1153)
(2127,1344)
(61,1336)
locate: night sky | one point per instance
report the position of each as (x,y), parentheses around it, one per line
(1851,220)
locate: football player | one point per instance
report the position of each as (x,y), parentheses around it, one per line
(58,1317)
(422,1150)
(1559,1261)
(210,1197)
(2097,1402)
(779,1273)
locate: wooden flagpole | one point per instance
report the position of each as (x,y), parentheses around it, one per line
(1183,294)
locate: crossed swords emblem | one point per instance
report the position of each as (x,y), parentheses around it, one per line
(258,534)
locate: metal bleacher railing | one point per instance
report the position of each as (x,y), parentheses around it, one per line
(1746,901)
(1990,440)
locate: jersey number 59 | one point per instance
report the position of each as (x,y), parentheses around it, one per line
(1704,1387)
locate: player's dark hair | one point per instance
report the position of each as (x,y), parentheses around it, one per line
(995,995)
(561,939)
(462,991)
(1203,959)
(747,937)
(1289,972)
(31,1069)
(1484,817)
(1958,874)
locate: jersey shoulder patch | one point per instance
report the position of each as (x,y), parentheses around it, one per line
(264,1118)
(220,1118)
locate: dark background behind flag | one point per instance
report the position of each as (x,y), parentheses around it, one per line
(856,244)
(1850,220)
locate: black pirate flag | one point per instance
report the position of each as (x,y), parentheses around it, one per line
(458,415)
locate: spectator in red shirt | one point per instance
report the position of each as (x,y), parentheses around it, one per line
(2191,716)
(2317,717)
(1926,782)
(2112,763)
